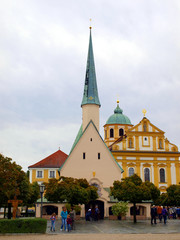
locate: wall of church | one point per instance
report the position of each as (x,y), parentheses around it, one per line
(84,162)
(162,171)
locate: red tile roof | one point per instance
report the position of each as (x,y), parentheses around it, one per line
(55,160)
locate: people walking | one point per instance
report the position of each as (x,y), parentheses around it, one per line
(174,212)
(72,214)
(96,214)
(64,214)
(159,212)
(69,223)
(88,215)
(53,220)
(153,214)
(164,214)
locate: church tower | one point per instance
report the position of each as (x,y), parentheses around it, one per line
(90,102)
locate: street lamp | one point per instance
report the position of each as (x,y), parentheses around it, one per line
(42,187)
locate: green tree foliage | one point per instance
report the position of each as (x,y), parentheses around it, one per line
(171,198)
(173,193)
(13,181)
(162,200)
(132,189)
(155,192)
(120,208)
(74,191)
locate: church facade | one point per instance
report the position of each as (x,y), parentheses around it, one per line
(142,149)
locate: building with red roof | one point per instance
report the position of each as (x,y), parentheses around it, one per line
(47,168)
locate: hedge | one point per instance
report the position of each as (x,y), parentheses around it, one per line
(36,225)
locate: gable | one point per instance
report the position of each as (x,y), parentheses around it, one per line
(89,146)
(145,126)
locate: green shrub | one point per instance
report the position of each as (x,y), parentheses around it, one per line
(35,225)
(120,209)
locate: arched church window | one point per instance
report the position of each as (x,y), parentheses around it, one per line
(146,174)
(145,127)
(111,133)
(121,132)
(160,143)
(131,171)
(162,175)
(130,143)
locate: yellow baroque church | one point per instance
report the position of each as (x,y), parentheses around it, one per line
(142,149)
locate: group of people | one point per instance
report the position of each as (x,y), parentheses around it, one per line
(92,216)
(67,217)
(163,213)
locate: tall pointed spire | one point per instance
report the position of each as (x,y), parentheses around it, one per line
(90,95)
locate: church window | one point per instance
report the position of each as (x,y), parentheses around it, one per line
(160,144)
(146,174)
(145,138)
(111,133)
(39,174)
(51,174)
(121,132)
(130,143)
(84,155)
(162,175)
(145,127)
(91,139)
(99,155)
(131,171)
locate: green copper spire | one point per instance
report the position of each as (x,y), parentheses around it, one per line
(90,95)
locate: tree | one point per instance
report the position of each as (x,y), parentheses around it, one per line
(172,197)
(134,190)
(120,208)
(13,181)
(74,191)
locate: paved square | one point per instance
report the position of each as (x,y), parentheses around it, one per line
(119,227)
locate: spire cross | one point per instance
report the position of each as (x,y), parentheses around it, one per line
(144,112)
(90,23)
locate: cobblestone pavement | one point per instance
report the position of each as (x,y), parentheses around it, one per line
(119,227)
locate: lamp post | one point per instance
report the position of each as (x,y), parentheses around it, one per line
(42,187)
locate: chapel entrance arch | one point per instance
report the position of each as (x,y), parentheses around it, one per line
(93,204)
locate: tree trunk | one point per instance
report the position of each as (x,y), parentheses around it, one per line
(134,212)
(4,211)
(26,211)
(9,210)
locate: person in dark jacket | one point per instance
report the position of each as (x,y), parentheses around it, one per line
(153,214)
(164,214)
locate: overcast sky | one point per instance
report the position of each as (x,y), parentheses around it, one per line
(43,54)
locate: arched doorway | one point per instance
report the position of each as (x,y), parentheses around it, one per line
(50,209)
(93,204)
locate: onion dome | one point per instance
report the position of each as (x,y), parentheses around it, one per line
(118,117)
